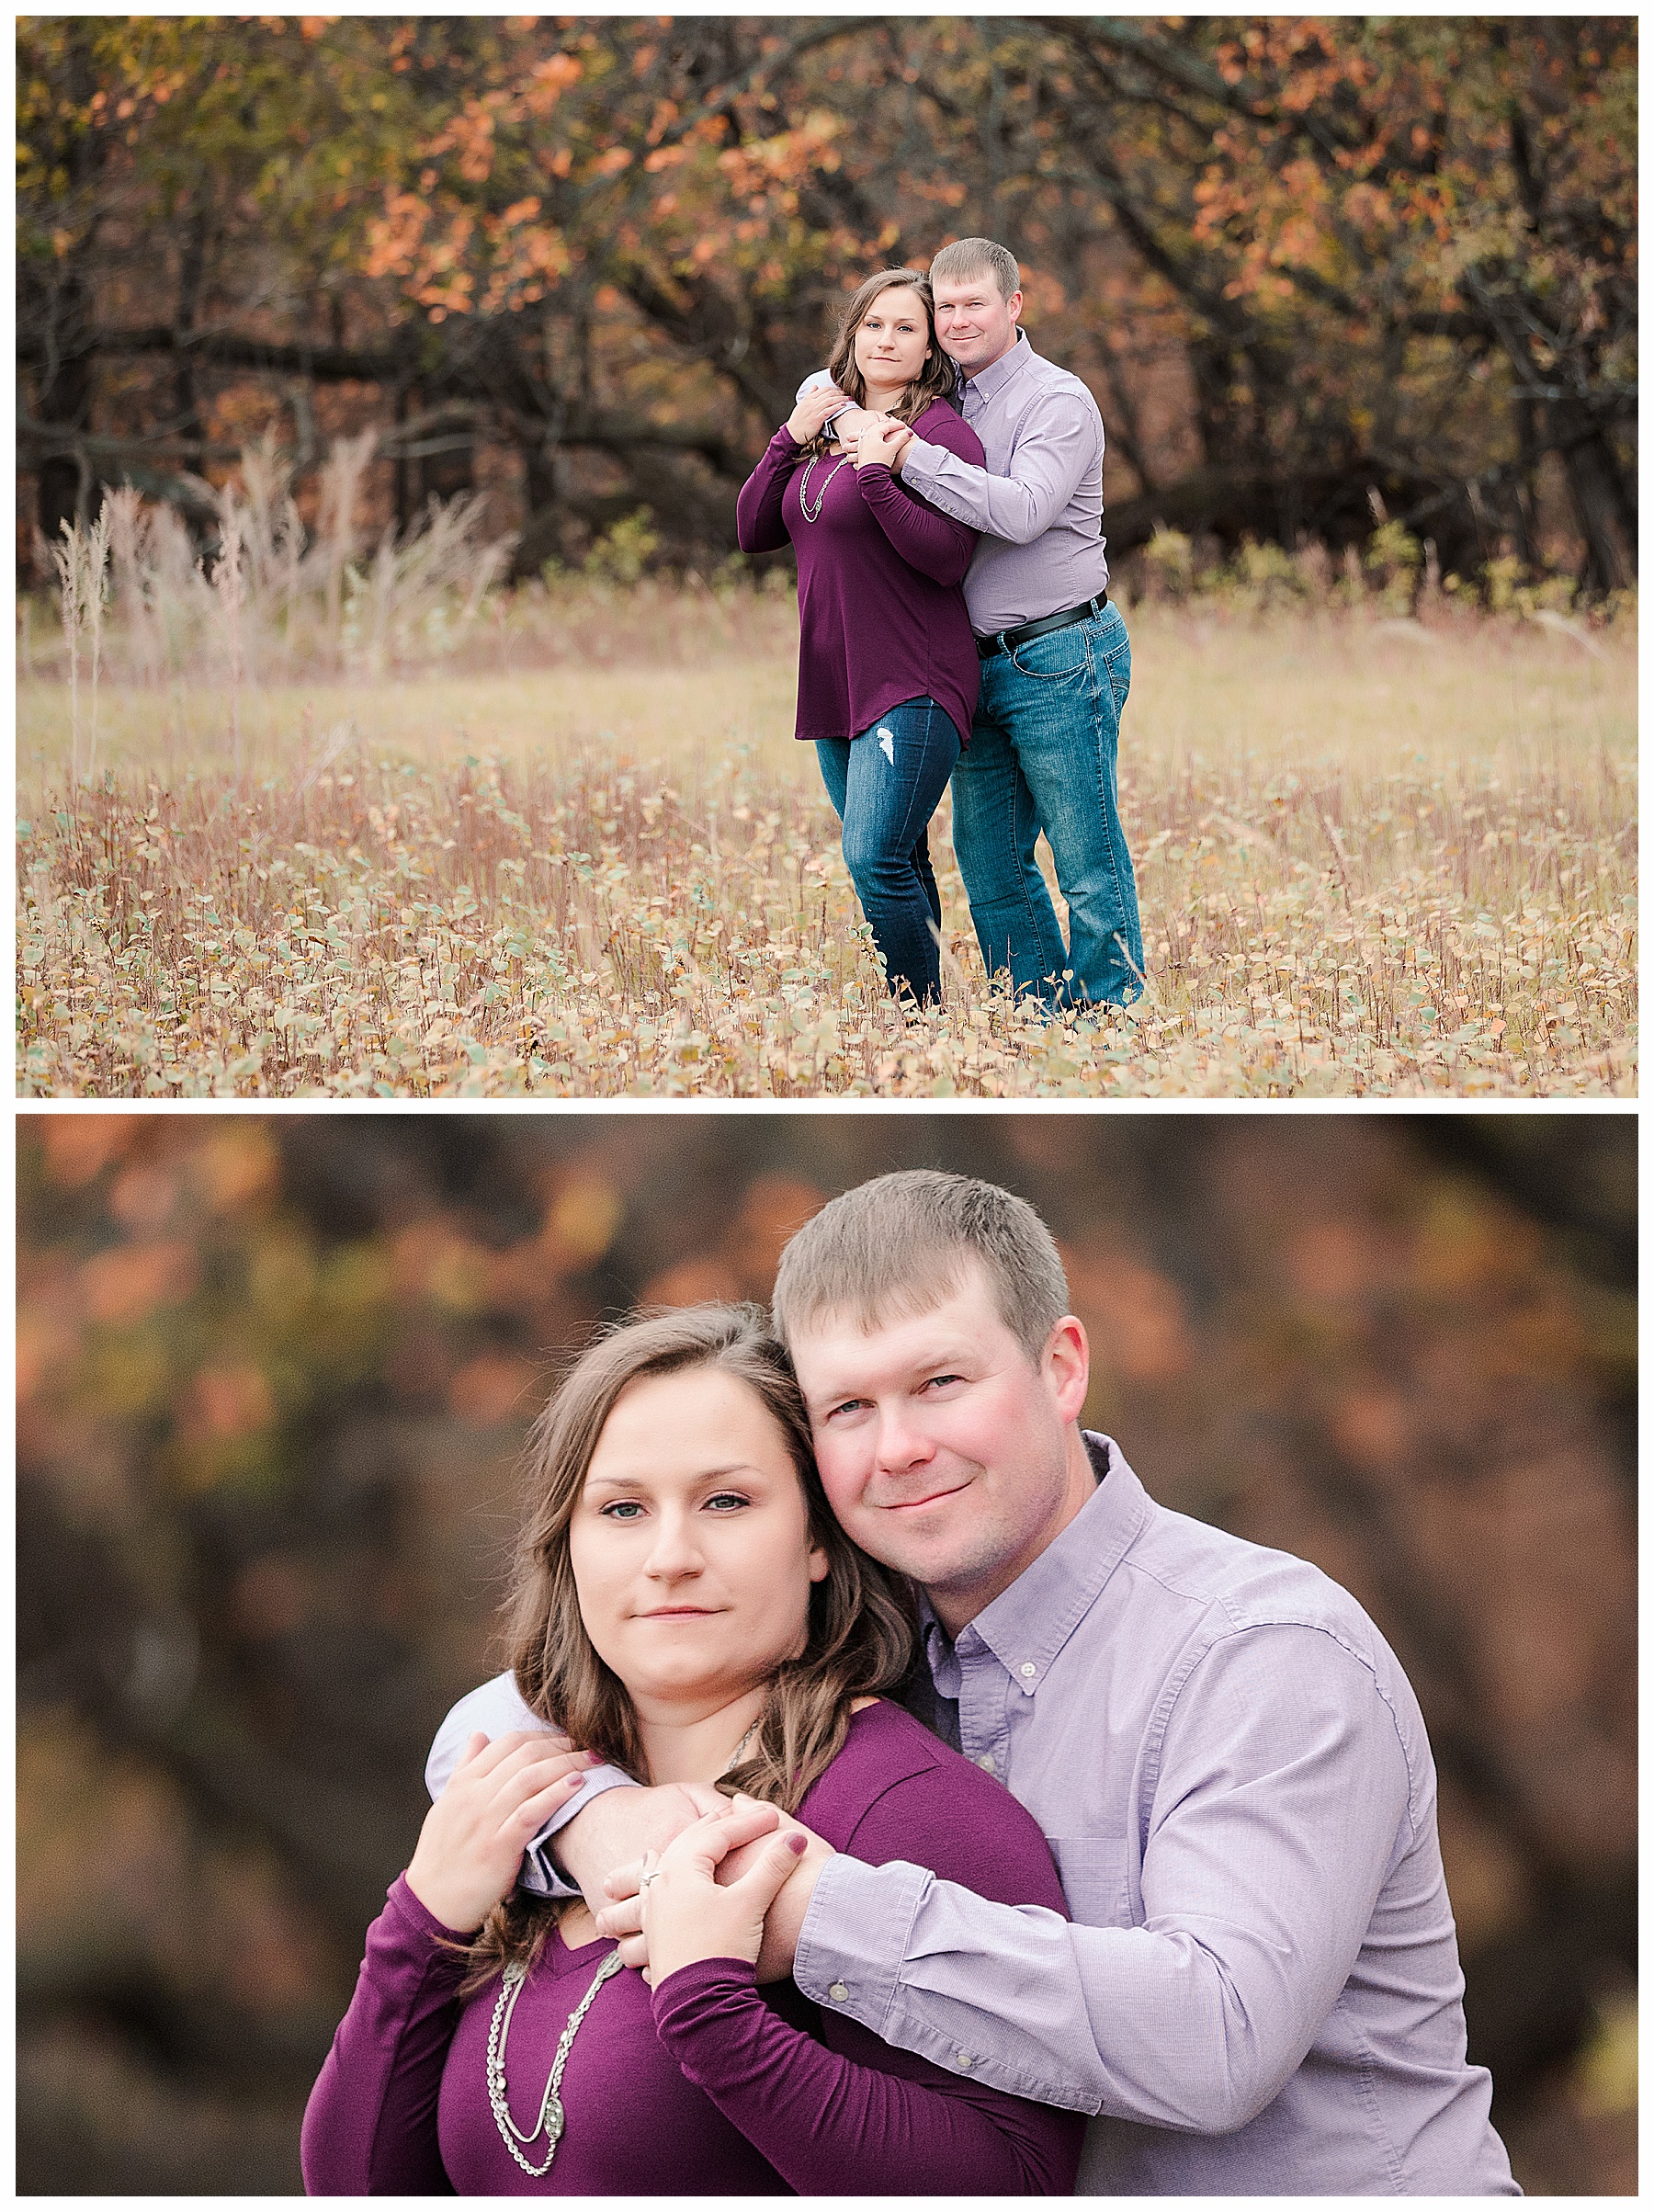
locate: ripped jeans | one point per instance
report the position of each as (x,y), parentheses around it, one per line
(884,786)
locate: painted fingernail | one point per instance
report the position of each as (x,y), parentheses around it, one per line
(796,1843)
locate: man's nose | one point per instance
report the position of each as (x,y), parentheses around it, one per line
(902,1441)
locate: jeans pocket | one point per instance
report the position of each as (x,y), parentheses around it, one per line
(1117,664)
(1062,656)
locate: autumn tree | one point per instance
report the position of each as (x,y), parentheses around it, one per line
(1304,263)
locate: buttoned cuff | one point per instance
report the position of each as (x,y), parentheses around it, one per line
(539,1874)
(919,468)
(855,1937)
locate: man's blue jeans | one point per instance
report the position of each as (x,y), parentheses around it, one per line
(885,784)
(1042,756)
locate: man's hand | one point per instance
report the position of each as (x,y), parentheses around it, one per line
(745,1842)
(617,1828)
(882,438)
(474,1836)
(690,1915)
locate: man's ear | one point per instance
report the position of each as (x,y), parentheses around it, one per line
(1068,1366)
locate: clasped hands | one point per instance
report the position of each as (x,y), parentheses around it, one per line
(865,435)
(674,1874)
(709,1894)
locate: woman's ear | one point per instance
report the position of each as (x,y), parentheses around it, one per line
(819,1565)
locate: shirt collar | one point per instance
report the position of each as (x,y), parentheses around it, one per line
(998,374)
(1028,1624)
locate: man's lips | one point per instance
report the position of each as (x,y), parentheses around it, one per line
(931,1497)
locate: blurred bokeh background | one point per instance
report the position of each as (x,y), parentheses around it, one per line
(273,1372)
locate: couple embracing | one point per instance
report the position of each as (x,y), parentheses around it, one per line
(883,1783)
(942,486)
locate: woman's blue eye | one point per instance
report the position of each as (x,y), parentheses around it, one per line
(727,1497)
(623,1509)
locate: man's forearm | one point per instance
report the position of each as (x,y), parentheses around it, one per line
(1178,2046)
(1017,506)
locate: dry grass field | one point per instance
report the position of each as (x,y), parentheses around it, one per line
(1375,858)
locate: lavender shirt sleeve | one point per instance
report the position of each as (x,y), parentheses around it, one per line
(1288,1801)
(1058,440)
(497,1708)
(854,2118)
(371,2125)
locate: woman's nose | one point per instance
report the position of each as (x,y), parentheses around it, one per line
(674,1553)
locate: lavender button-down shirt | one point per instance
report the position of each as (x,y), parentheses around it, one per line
(1038,503)
(1260,1993)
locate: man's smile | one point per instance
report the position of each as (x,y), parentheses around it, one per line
(931,1497)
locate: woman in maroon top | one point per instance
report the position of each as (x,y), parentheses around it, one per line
(685,1605)
(888,663)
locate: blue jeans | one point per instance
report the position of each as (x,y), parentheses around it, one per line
(1041,756)
(884,784)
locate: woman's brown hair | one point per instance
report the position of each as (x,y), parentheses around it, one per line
(936,376)
(859,1637)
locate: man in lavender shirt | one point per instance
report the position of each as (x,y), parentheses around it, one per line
(1259,1991)
(1054,654)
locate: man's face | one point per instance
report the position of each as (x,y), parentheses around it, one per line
(974,324)
(945,1451)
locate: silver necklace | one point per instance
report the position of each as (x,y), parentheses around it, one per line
(736,1756)
(814,515)
(552,2117)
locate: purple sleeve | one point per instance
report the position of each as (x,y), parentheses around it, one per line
(858,2117)
(758,525)
(371,2125)
(832,2127)
(931,542)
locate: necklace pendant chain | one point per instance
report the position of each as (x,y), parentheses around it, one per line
(814,513)
(552,2119)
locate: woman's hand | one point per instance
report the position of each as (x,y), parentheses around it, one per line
(809,416)
(475,1835)
(880,437)
(688,1915)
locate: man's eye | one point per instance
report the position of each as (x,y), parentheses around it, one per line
(936,1382)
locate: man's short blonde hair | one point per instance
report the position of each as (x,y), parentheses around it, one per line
(976,258)
(904,1243)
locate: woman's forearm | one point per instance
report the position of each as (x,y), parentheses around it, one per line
(371,2125)
(832,2127)
(934,544)
(759,523)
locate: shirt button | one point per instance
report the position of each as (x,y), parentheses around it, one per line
(989,1762)
(1028,1669)
(966,2060)
(837,1992)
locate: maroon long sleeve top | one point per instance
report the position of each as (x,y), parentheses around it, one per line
(708,2085)
(881,614)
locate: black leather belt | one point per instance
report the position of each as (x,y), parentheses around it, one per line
(1011,638)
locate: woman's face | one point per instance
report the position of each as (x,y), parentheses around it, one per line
(893,338)
(690,1544)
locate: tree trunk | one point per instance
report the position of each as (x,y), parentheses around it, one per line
(1606,515)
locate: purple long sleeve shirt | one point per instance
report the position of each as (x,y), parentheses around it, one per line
(1260,1992)
(709,2086)
(881,614)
